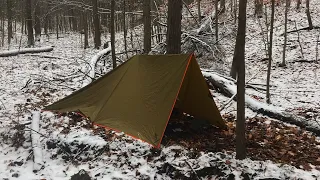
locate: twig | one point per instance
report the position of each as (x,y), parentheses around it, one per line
(228,102)
(195,19)
(194,172)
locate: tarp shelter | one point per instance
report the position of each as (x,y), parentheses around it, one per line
(138,96)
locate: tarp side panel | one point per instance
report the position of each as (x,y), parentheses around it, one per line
(90,98)
(195,97)
(142,101)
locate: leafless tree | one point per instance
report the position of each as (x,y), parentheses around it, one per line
(147,26)
(9,16)
(270,51)
(217,20)
(174,26)
(96,23)
(308,14)
(239,57)
(285,34)
(112,33)
(199,11)
(37,22)
(29,23)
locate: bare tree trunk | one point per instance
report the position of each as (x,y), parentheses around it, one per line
(37,25)
(285,34)
(74,21)
(270,52)
(240,58)
(298,4)
(223,5)
(29,23)
(199,11)
(308,14)
(217,20)
(174,27)
(147,26)
(112,30)
(258,8)
(85,29)
(235,10)
(2,28)
(96,22)
(57,26)
(9,16)
(125,29)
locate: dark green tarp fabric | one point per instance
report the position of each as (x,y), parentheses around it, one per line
(137,97)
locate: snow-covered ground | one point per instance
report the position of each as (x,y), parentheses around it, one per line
(29,82)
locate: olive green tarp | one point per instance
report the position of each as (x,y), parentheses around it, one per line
(137,97)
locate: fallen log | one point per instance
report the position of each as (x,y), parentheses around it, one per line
(16,52)
(35,139)
(229,88)
(91,73)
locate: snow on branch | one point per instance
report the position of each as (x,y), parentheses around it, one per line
(36,145)
(91,74)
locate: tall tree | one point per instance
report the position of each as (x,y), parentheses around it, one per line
(29,23)
(125,28)
(258,8)
(285,33)
(112,33)
(9,16)
(223,5)
(217,20)
(37,22)
(174,27)
(96,23)
(147,26)
(239,57)
(308,14)
(199,11)
(85,28)
(298,4)
(270,51)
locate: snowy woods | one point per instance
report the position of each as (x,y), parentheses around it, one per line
(260,59)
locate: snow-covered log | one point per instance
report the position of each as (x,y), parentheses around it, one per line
(229,88)
(35,139)
(16,52)
(93,62)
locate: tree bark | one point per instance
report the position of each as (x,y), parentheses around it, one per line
(125,29)
(147,26)
(199,11)
(308,14)
(9,16)
(258,8)
(85,29)
(270,52)
(37,22)
(112,32)
(285,34)
(240,58)
(29,23)
(174,27)
(96,22)
(223,6)
(217,20)
(298,4)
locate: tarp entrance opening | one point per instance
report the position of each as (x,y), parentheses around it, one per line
(138,97)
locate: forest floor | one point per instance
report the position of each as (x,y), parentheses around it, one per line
(70,143)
